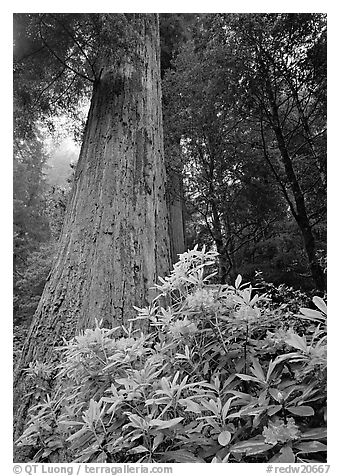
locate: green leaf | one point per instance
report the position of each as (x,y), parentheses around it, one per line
(257,370)
(271,367)
(182,456)
(286,455)
(311,314)
(190,405)
(101,458)
(138,449)
(311,447)
(296,341)
(161,424)
(137,421)
(272,409)
(315,434)
(224,438)
(251,447)
(276,394)
(226,407)
(320,303)
(157,441)
(248,377)
(282,358)
(211,406)
(77,434)
(166,387)
(302,410)
(238,281)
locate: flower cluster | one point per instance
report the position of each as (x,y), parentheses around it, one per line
(201,299)
(182,327)
(279,431)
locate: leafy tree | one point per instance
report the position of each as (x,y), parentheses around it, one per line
(284,58)
(241,178)
(223,187)
(31,225)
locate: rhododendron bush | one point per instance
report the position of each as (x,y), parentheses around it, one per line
(221,376)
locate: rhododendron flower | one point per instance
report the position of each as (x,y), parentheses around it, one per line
(202,298)
(280,432)
(182,327)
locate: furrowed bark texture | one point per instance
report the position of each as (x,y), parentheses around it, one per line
(115,239)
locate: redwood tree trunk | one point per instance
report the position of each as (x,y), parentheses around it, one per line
(176,217)
(115,239)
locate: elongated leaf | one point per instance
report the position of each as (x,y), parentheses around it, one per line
(302,410)
(151,401)
(297,342)
(137,421)
(166,387)
(226,407)
(320,303)
(182,456)
(157,441)
(271,367)
(211,406)
(311,313)
(274,409)
(290,356)
(138,449)
(315,434)
(248,377)
(77,434)
(251,447)
(238,281)
(276,394)
(190,405)
(311,447)
(257,370)
(161,424)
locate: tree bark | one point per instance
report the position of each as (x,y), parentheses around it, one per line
(176,216)
(115,239)
(223,267)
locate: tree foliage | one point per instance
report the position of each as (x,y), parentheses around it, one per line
(246,97)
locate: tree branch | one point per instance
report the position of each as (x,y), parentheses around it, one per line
(283,188)
(76,42)
(59,59)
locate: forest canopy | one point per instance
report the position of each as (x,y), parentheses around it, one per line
(253,189)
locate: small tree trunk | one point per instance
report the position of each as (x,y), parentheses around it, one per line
(300,214)
(223,266)
(115,240)
(176,215)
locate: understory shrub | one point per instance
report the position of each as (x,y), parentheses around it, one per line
(222,376)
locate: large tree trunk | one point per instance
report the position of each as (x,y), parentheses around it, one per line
(115,239)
